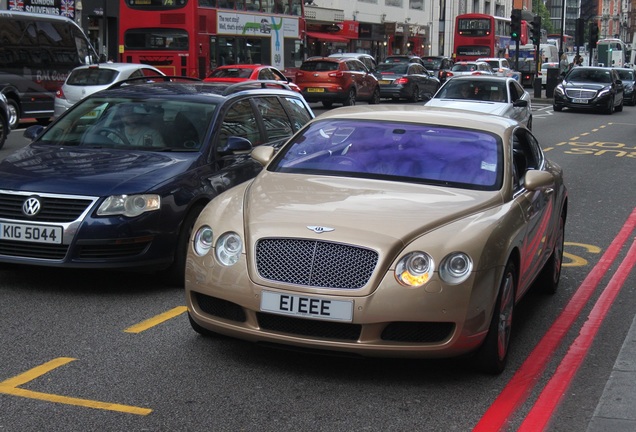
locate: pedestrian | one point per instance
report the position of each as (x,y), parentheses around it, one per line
(580,61)
(563,65)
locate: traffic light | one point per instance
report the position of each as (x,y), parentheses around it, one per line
(515,24)
(579,38)
(536,30)
(593,34)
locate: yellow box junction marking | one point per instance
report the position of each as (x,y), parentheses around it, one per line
(156,320)
(11,387)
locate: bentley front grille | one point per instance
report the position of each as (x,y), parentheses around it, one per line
(314,263)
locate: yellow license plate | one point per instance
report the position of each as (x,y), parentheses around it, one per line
(384,82)
(315,90)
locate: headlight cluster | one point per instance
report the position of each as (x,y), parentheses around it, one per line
(416,268)
(605,91)
(228,246)
(559,89)
(129,205)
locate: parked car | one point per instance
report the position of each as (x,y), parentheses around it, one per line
(438,66)
(502,96)
(383,231)
(409,81)
(82,195)
(88,79)
(543,72)
(590,88)
(246,72)
(5,114)
(367,59)
(340,80)
(469,68)
(406,58)
(628,77)
(501,67)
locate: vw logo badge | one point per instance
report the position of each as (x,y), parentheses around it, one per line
(319,229)
(31,206)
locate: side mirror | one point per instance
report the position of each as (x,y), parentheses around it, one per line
(520,103)
(263,154)
(235,144)
(535,179)
(32,132)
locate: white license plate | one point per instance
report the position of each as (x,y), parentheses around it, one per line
(307,307)
(580,101)
(31,233)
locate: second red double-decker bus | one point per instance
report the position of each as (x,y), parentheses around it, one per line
(480,35)
(192,37)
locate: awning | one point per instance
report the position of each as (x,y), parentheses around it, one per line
(327,37)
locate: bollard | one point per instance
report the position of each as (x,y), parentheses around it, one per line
(537,87)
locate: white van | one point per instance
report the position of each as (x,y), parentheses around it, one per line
(549,52)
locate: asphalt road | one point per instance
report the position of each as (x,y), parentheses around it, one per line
(80,354)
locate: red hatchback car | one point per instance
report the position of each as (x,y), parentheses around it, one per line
(245,72)
(341,80)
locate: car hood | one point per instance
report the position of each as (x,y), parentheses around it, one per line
(94,172)
(486,107)
(585,85)
(375,213)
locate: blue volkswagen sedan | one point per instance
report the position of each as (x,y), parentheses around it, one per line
(119,179)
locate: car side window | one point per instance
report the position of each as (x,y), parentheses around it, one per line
(275,119)
(240,121)
(514,94)
(526,154)
(265,74)
(299,113)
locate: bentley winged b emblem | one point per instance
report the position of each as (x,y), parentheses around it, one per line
(319,229)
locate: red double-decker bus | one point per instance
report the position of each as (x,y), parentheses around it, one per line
(480,35)
(192,37)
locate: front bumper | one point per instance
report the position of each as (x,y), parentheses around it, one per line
(595,103)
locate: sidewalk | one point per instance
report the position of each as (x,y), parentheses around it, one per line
(616,409)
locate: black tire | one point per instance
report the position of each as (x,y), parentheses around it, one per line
(548,280)
(557,108)
(609,110)
(202,331)
(327,104)
(492,356)
(375,97)
(4,131)
(14,113)
(415,94)
(351,98)
(620,107)
(175,274)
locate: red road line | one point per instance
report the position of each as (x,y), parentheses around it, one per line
(553,393)
(522,382)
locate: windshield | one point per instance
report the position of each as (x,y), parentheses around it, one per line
(482,90)
(395,151)
(91,76)
(581,74)
(464,67)
(432,64)
(396,68)
(231,73)
(625,75)
(122,123)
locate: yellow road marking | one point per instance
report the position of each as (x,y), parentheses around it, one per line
(156,320)
(10,387)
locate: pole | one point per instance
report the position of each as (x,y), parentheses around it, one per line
(562,28)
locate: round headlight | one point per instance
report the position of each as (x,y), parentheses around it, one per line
(203,240)
(414,269)
(455,268)
(228,248)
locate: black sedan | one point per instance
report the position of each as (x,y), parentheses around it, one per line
(118,180)
(628,76)
(590,88)
(409,81)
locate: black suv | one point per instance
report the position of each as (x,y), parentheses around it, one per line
(118,180)
(438,66)
(4,119)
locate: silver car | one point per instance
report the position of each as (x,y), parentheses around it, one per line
(88,79)
(502,96)
(469,68)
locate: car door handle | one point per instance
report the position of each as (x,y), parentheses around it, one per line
(549,191)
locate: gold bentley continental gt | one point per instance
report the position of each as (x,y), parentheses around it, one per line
(390,231)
